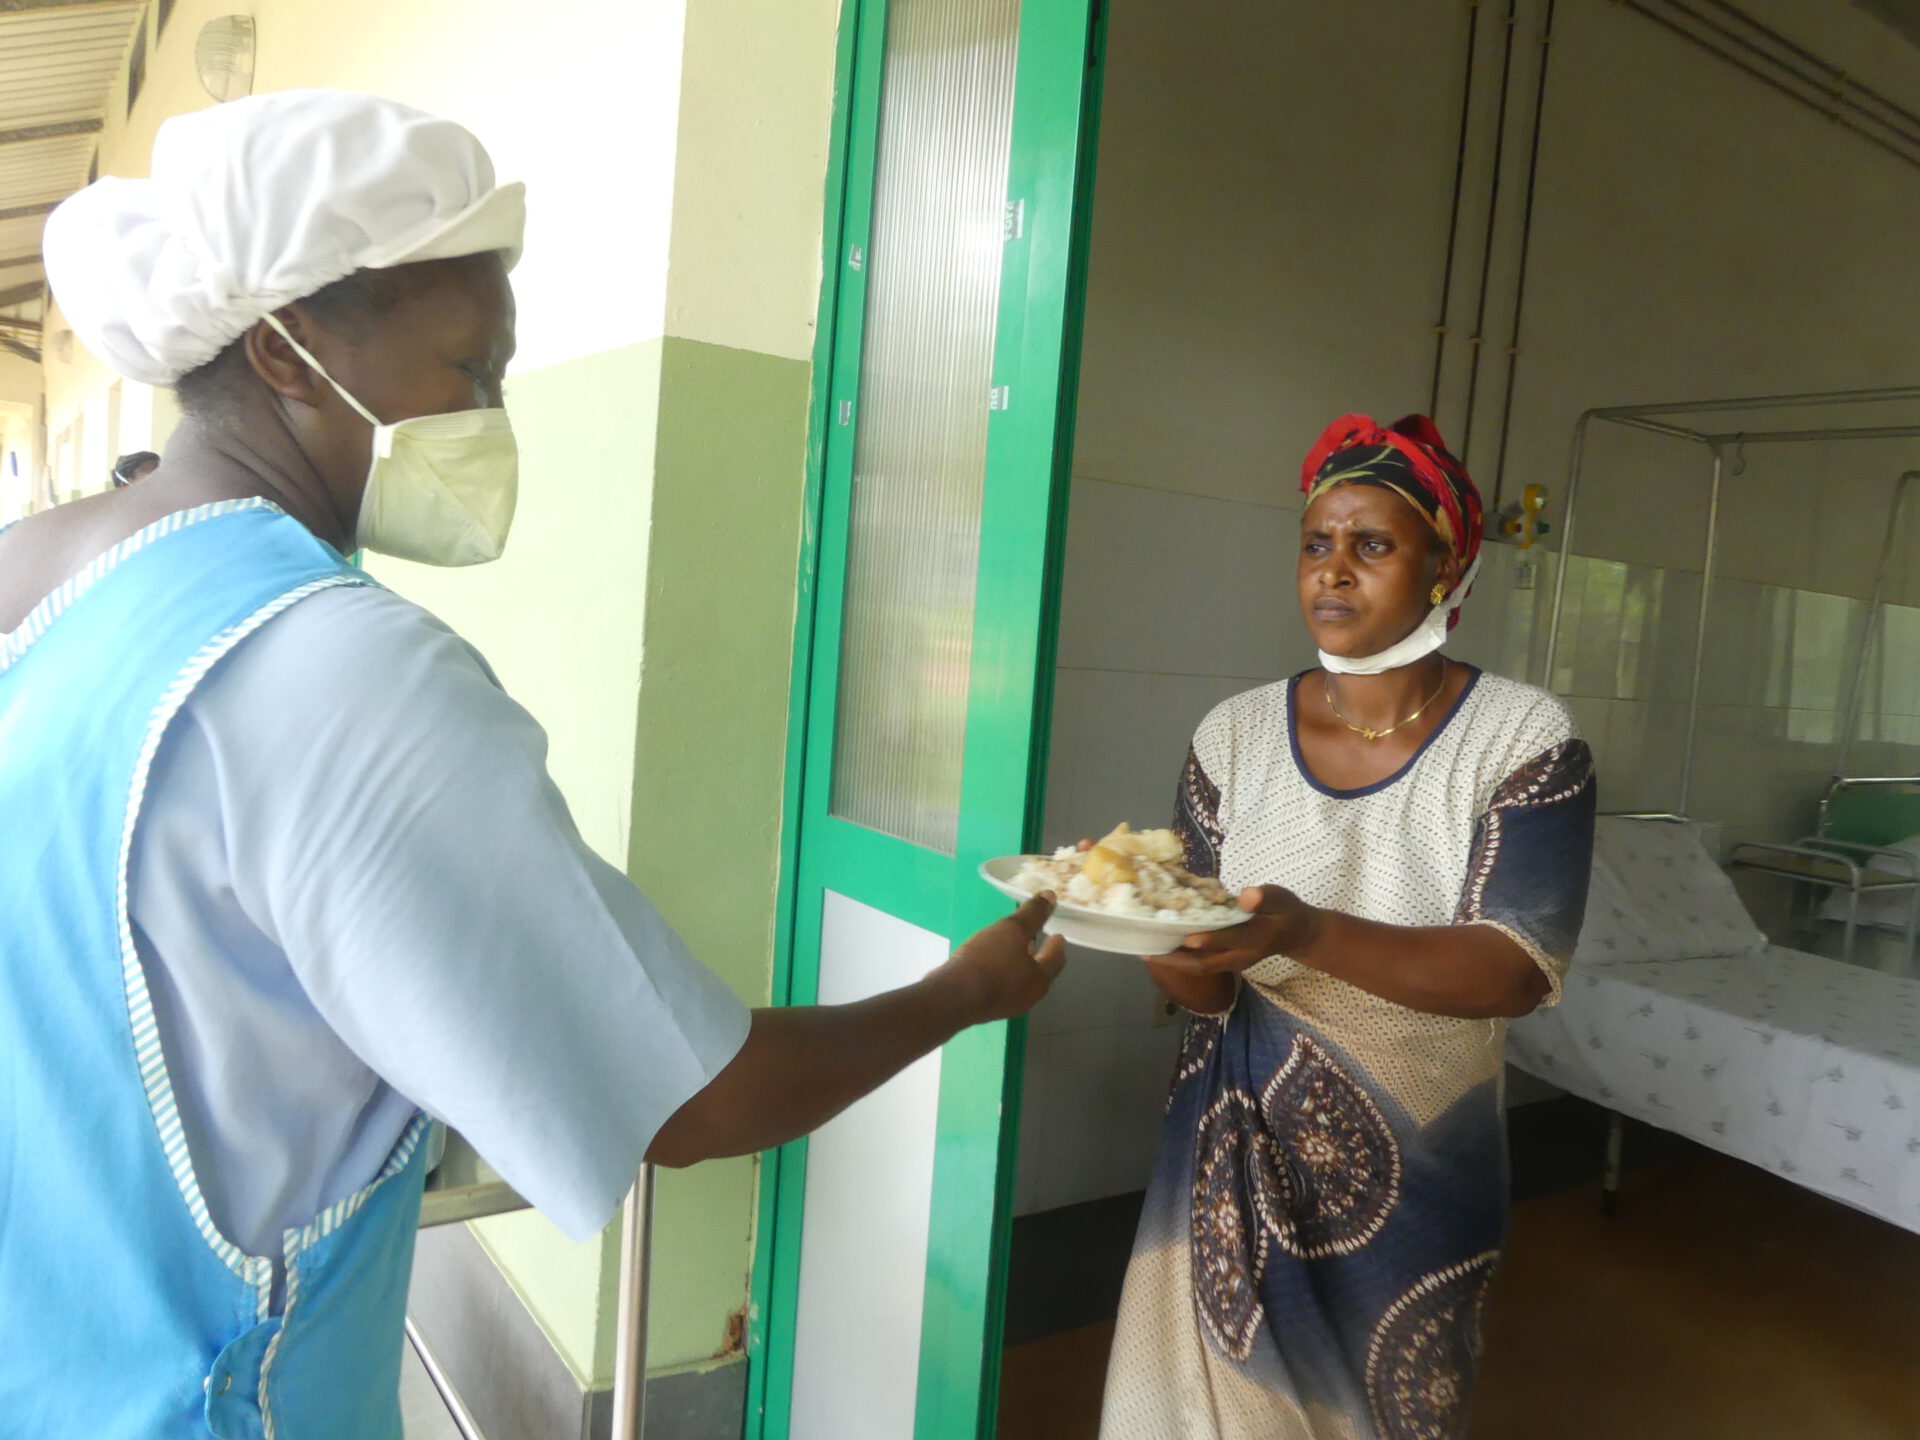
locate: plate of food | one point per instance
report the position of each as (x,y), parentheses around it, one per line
(1129,894)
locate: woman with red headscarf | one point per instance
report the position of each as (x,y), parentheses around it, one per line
(1411,839)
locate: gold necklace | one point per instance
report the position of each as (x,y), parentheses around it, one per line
(1369,734)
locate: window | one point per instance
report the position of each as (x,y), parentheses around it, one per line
(920,450)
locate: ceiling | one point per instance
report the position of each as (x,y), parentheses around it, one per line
(61,63)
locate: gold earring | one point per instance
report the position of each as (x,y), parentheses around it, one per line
(1438,594)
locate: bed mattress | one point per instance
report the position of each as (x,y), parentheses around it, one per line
(1801,1064)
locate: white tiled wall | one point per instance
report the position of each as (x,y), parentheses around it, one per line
(1271,258)
(1776,670)
(1142,660)
(1095,1097)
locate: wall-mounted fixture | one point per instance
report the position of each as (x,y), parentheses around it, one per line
(1521,518)
(223,55)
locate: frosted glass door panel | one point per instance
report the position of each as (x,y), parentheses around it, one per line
(863,1251)
(920,446)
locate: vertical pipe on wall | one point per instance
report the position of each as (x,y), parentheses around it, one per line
(1453,217)
(1700,629)
(1526,245)
(1493,216)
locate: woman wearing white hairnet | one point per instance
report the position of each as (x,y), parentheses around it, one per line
(285,869)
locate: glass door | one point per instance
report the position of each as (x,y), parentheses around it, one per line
(942,427)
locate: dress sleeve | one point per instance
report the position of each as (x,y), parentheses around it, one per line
(394,830)
(1196,817)
(1533,855)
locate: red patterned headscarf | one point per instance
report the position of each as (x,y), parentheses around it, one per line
(1409,458)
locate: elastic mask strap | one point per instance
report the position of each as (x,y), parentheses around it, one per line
(1459,596)
(320,369)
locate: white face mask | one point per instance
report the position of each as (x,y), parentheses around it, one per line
(1428,636)
(441,488)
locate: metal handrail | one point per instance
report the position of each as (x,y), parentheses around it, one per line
(452,1206)
(1854,885)
(1787,847)
(630,1332)
(1892,852)
(462,1186)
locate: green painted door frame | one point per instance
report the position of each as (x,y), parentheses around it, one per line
(1029,453)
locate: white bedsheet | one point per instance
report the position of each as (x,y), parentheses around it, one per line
(1803,1065)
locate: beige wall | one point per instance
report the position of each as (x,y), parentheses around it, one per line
(20,392)
(755,111)
(577,98)
(93,416)
(19,380)
(1272,257)
(592,134)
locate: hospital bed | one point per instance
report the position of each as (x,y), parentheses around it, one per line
(1679,1013)
(1862,854)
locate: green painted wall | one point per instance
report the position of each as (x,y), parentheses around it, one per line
(709,751)
(561,615)
(644,614)
(561,619)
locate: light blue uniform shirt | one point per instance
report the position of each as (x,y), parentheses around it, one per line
(131,1315)
(355,890)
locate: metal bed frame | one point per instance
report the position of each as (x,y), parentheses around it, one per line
(1613,1159)
(1664,419)
(1613,1165)
(1802,862)
(463,1187)
(1823,862)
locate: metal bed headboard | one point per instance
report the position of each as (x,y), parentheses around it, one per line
(1663,419)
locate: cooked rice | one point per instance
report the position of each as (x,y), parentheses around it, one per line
(1160,890)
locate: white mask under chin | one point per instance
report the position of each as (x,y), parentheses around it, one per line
(441,489)
(1428,636)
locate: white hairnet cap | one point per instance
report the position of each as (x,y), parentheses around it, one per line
(261,202)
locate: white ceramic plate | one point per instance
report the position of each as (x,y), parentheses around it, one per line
(1100,929)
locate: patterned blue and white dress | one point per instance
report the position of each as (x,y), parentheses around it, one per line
(1330,1195)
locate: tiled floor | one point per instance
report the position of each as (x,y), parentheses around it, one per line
(1050,1389)
(1722,1303)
